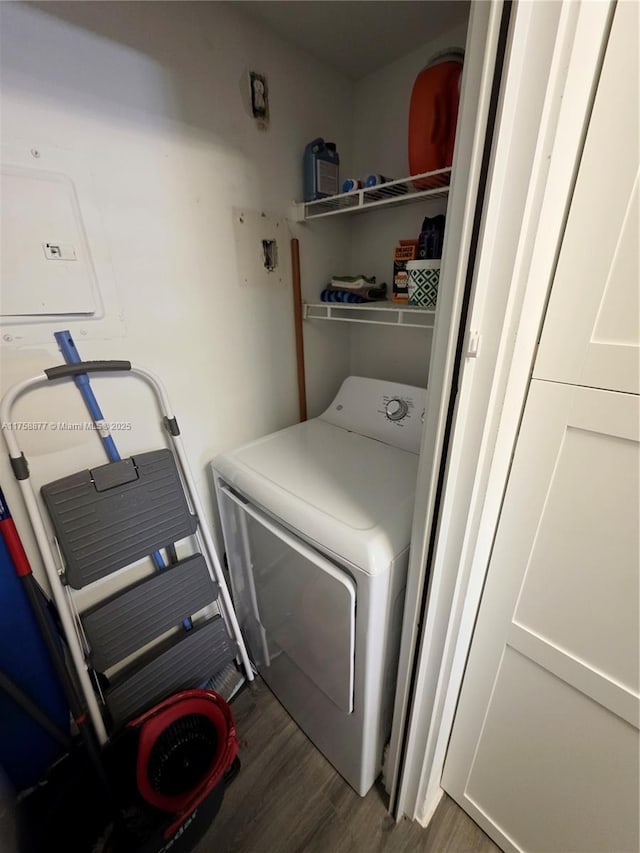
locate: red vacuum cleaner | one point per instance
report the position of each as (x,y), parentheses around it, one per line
(170,767)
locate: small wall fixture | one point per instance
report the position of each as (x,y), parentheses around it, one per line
(259,99)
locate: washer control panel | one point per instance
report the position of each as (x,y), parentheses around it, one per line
(386,411)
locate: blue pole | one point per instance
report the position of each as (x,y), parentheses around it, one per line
(72,356)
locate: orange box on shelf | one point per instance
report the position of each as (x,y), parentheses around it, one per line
(405,252)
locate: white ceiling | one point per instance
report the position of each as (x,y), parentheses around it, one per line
(358,37)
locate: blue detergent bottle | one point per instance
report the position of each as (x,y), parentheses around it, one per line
(321,162)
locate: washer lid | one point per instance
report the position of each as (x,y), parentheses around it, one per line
(351,494)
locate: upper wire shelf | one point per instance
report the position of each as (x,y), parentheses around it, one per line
(403,191)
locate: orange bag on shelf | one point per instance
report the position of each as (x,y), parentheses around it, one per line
(433,114)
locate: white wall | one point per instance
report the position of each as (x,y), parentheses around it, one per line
(149,97)
(325,245)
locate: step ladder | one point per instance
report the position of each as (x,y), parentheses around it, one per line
(105,520)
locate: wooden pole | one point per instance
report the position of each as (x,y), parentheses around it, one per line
(297,319)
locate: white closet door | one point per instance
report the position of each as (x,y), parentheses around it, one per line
(591,332)
(544,748)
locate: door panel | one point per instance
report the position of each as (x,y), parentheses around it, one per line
(550,765)
(544,748)
(591,333)
(577,582)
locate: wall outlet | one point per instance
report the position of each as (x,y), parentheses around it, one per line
(59,252)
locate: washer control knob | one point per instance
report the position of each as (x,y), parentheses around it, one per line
(396,409)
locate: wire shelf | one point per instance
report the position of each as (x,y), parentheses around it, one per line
(374,313)
(403,191)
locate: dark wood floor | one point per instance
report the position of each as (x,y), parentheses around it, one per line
(287,798)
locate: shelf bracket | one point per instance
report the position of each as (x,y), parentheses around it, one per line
(296,212)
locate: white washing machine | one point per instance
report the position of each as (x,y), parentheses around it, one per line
(317,521)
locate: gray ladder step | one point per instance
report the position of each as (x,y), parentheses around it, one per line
(120,625)
(189,662)
(115,514)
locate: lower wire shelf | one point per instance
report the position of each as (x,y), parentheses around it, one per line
(375,313)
